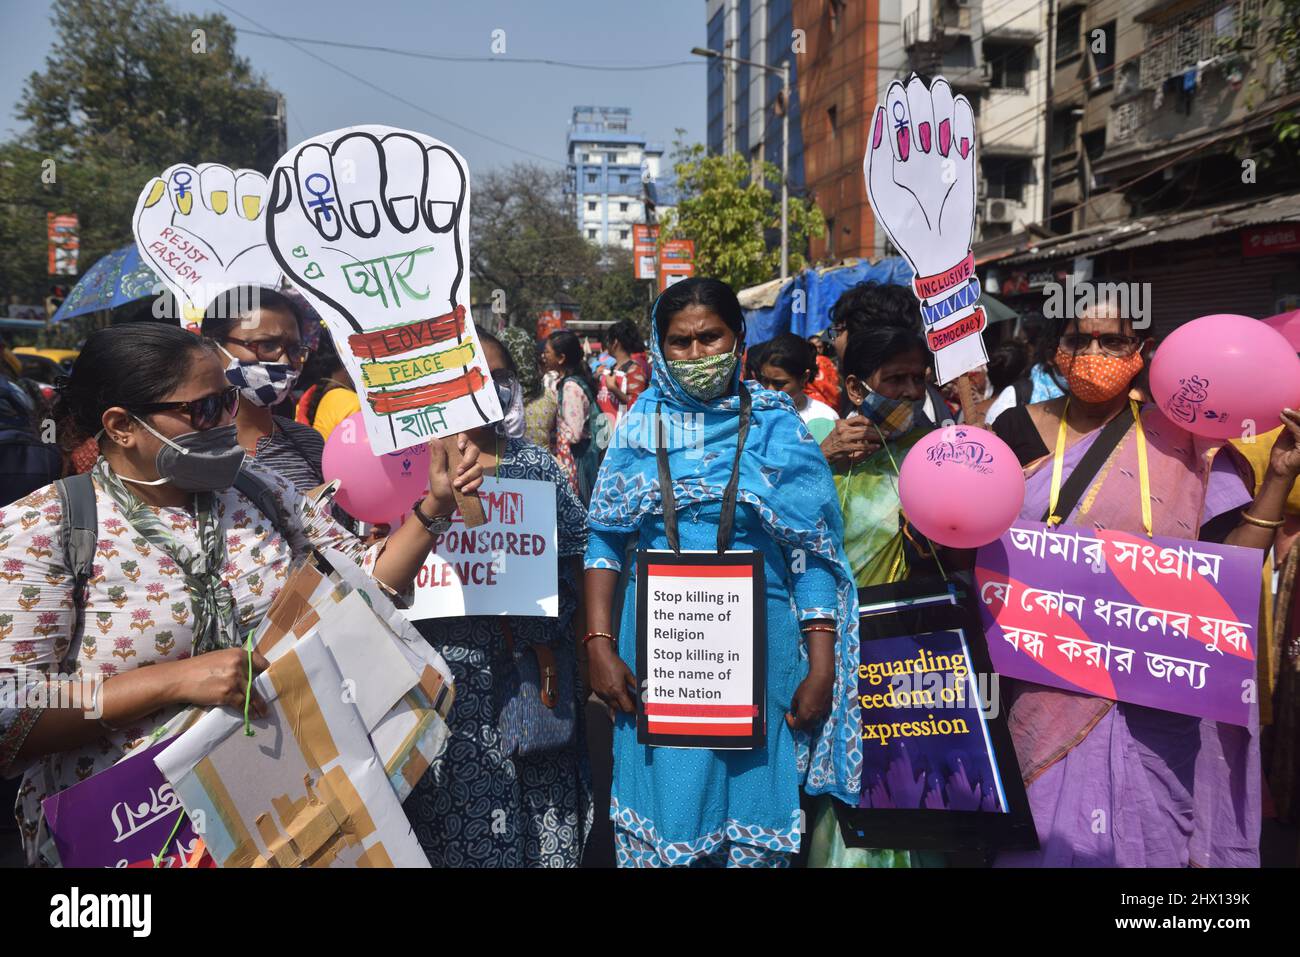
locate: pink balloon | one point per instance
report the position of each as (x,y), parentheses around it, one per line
(373,486)
(961,486)
(408,471)
(1225,376)
(1287,323)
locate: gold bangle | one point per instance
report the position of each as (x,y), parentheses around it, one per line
(1260,522)
(597,634)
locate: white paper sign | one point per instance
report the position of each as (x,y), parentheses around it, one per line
(307,789)
(921,172)
(506,567)
(372,224)
(698,653)
(203,230)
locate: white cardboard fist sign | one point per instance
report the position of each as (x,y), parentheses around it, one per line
(203,231)
(372,224)
(921,172)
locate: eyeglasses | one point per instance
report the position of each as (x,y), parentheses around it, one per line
(1111,343)
(267,350)
(504,377)
(205,412)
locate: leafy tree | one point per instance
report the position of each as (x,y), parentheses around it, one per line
(613,292)
(730,215)
(524,242)
(129,88)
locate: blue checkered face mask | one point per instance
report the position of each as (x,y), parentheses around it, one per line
(261,383)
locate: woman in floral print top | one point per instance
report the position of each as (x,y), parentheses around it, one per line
(141,616)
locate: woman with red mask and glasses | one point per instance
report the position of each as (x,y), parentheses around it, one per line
(185,564)
(1175,790)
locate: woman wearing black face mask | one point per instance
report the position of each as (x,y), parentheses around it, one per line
(185,565)
(259,334)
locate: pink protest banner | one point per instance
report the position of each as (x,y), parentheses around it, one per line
(1163,622)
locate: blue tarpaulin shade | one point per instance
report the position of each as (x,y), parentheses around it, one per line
(814,291)
(770,309)
(118,278)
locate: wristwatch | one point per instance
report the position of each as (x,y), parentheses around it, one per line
(434,526)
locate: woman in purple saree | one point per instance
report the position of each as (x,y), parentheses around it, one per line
(1113,784)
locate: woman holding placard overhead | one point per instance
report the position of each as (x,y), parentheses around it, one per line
(732,480)
(1116,784)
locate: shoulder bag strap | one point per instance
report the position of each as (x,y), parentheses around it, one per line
(1081,478)
(728,520)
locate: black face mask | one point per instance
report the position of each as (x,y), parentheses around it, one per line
(207,461)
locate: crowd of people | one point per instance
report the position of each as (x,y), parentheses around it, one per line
(204,454)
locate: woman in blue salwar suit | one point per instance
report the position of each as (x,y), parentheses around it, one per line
(749,467)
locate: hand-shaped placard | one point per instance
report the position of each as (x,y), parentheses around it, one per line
(372,224)
(920,170)
(203,232)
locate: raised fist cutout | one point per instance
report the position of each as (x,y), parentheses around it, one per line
(921,172)
(372,223)
(203,232)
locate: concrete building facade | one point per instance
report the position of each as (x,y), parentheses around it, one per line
(615,175)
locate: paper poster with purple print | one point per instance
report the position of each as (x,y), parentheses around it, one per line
(1162,622)
(120,816)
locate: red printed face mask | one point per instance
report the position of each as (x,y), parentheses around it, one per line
(1097,378)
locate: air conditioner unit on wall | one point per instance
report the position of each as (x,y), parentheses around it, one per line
(999,211)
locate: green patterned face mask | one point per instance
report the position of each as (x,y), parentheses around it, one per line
(705,378)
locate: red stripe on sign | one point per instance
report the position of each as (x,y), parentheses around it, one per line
(683,728)
(704,710)
(701,571)
(401,400)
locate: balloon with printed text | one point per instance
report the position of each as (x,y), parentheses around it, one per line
(961,486)
(1225,377)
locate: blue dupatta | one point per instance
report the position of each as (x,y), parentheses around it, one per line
(788,484)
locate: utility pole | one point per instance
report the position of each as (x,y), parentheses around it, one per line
(1049,38)
(785,169)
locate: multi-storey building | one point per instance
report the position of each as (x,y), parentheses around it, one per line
(615,176)
(1160,126)
(744,102)
(845,56)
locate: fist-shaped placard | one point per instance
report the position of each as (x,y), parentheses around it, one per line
(372,224)
(921,173)
(202,229)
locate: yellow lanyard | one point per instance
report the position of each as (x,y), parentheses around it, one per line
(1144,478)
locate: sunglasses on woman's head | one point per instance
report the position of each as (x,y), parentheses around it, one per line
(205,412)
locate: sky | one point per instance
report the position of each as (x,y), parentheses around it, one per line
(524,109)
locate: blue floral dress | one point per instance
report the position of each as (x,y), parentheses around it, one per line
(477,806)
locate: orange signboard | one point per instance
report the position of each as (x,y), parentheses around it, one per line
(62,232)
(645,239)
(676,261)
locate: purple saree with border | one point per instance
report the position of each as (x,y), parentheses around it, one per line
(1119,785)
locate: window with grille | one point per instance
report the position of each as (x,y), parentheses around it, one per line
(1178,43)
(1067,32)
(1008,64)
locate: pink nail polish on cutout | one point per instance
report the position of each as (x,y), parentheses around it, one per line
(923,131)
(902,143)
(945,137)
(965,147)
(880,128)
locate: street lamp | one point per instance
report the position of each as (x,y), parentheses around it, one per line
(784,71)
